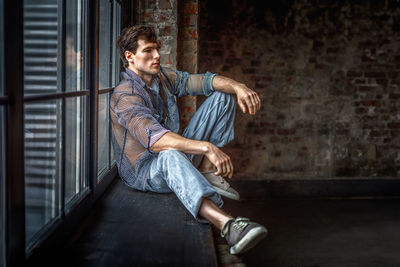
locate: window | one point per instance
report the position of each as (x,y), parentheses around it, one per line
(42,164)
(2,175)
(2,148)
(108,77)
(61,60)
(55,130)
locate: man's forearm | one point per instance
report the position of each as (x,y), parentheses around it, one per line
(224,84)
(175,141)
(248,100)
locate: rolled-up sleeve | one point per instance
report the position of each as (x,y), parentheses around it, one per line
(137,118)
(185,84)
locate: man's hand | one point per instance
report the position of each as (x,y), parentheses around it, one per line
(247,99)
(221,161)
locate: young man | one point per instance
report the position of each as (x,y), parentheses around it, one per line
(152,156)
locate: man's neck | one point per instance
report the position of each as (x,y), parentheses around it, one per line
(147,78)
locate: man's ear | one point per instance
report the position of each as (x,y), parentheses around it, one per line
(129,56)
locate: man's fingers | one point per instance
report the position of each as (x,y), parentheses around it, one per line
(242,106)
(250,104)
(230,174)
(258,102)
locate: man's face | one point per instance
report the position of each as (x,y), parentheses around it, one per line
(146,61)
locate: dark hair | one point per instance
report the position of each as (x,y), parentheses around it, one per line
(127,41)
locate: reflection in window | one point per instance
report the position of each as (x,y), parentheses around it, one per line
(103,133)
(74,45)
(75,147)
(42,163)
(41,38)
(105,44)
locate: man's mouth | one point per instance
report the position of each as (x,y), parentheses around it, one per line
(156,64)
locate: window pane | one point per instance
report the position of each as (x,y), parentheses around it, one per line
(103,134)
(42,164)
(74,45)
(115,51)
(75,129)
(41,49)
(105,44)
(2,148)
(1,51)
(2,175)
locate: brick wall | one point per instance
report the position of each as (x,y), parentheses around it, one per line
(187,52)
(162,15)
(179,44)
(328,73)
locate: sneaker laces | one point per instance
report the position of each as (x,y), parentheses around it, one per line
(239,224)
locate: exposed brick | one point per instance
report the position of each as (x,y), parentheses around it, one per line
(361,110)
(394,96)
(190,34)
(164,4)
(191,8)
(274,139)
(280,116)
(190,20)
(332,50)
(368,103)
(374,74)
(367,88)
(366,58)
(394,125)
(350,80)
(353,73)
(286,131)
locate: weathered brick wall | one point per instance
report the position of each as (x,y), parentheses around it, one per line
(179,43)
(162,15)
(328,73)
(187,52)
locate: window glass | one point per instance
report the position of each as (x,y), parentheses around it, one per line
(115,55)
(74,45)
(42,127)
(41,38)
(103,134)
(1,49)
(2,175)
(2,148)
(75,136)
(115,51)
(105,44)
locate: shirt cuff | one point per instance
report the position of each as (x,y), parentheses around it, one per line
(155,137)
(208,89)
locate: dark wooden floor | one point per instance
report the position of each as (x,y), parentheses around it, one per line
(132,228)
(323,232)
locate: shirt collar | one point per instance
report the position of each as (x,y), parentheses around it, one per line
(131,75)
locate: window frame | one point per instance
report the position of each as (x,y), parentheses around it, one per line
(13,101)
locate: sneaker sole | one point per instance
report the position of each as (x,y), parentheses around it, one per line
(252,238)
(226,194)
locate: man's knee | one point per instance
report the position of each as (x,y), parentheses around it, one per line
(172,154)
(227,99)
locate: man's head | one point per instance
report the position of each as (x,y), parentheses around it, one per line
(139,47)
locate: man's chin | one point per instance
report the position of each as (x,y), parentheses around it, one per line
(156,68)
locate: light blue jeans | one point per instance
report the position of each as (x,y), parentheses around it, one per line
(174,171)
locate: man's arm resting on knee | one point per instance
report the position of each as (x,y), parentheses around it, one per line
(215,155)
(247,98)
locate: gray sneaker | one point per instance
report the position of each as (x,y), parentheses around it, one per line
(221,185)
(242,234)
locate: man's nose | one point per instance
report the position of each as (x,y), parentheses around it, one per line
(156,54)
